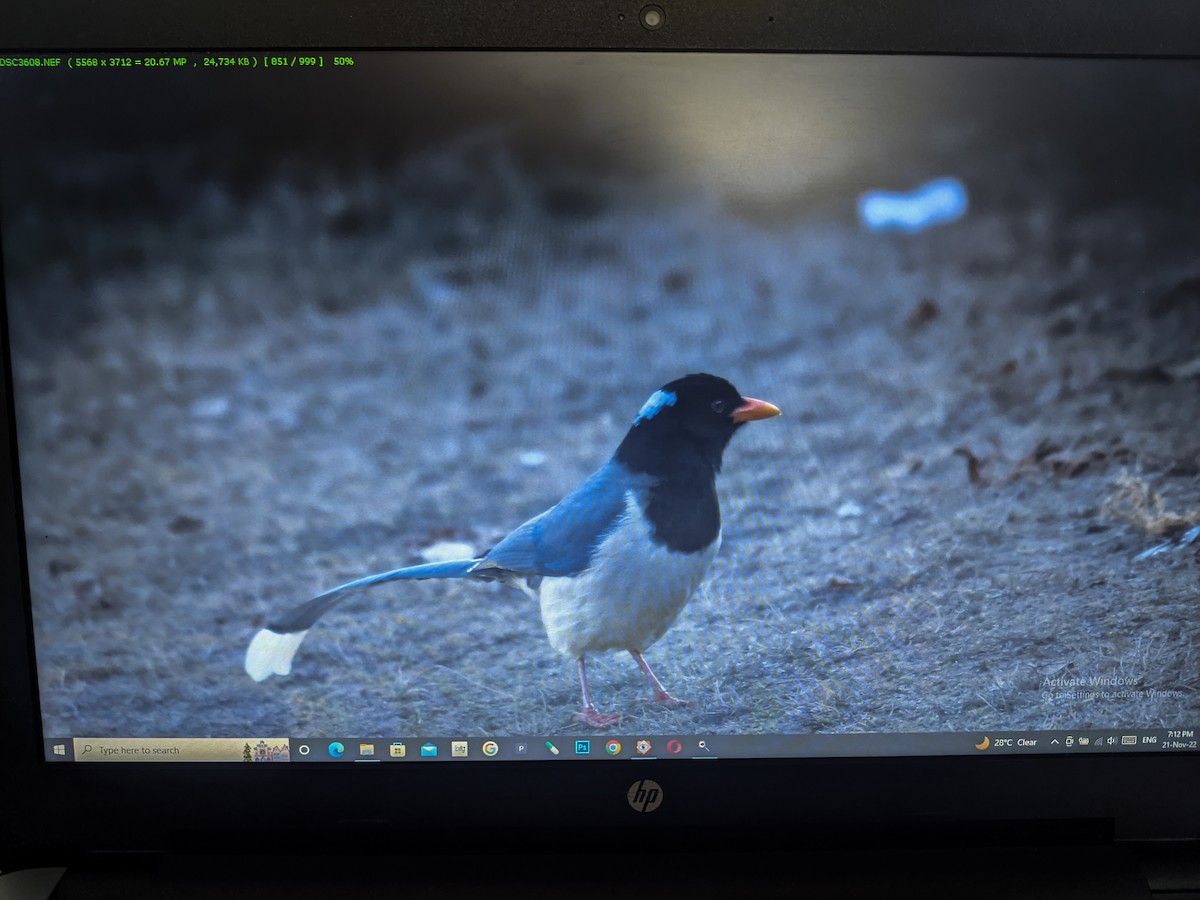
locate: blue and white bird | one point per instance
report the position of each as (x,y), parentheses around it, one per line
(613,562)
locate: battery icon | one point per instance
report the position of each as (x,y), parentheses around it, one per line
(551,748)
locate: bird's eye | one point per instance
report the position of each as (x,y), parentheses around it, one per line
(718,406)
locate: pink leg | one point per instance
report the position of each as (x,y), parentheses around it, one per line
(590,715)
(660,692)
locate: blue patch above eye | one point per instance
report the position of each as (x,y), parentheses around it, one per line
(651,407)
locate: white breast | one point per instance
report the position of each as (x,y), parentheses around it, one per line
(629,597)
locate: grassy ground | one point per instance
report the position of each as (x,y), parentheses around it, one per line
(321,379)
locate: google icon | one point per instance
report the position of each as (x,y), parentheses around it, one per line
(612,748)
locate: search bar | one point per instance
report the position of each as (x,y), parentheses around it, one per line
(271,749)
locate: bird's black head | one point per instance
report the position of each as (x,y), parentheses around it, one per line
(687,422)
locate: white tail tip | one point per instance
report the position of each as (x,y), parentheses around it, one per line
(270,653)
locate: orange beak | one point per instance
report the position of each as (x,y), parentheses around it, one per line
(752,409)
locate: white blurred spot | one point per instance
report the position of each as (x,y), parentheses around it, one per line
(531,459)
(849,510)
(1190,369)
(444,551)
(211,407)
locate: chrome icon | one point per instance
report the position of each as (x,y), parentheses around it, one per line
(612,748)
(336,749)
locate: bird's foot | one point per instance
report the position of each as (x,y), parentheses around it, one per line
(596,719)
(670,702)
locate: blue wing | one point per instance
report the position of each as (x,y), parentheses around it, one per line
(561,540)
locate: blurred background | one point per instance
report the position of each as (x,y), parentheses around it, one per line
(276,329)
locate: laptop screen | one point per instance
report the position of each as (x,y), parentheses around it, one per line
(404,408)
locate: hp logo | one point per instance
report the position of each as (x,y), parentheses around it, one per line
(645,796)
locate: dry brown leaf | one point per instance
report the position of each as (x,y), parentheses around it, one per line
(923,313)
(974,466)
(839,583)
(1133,501)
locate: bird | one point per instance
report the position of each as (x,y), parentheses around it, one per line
(613,563)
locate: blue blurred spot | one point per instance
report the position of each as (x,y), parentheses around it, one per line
(943,200)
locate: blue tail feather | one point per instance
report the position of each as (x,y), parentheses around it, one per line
(305,615)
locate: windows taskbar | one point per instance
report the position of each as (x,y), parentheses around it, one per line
(260,748)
